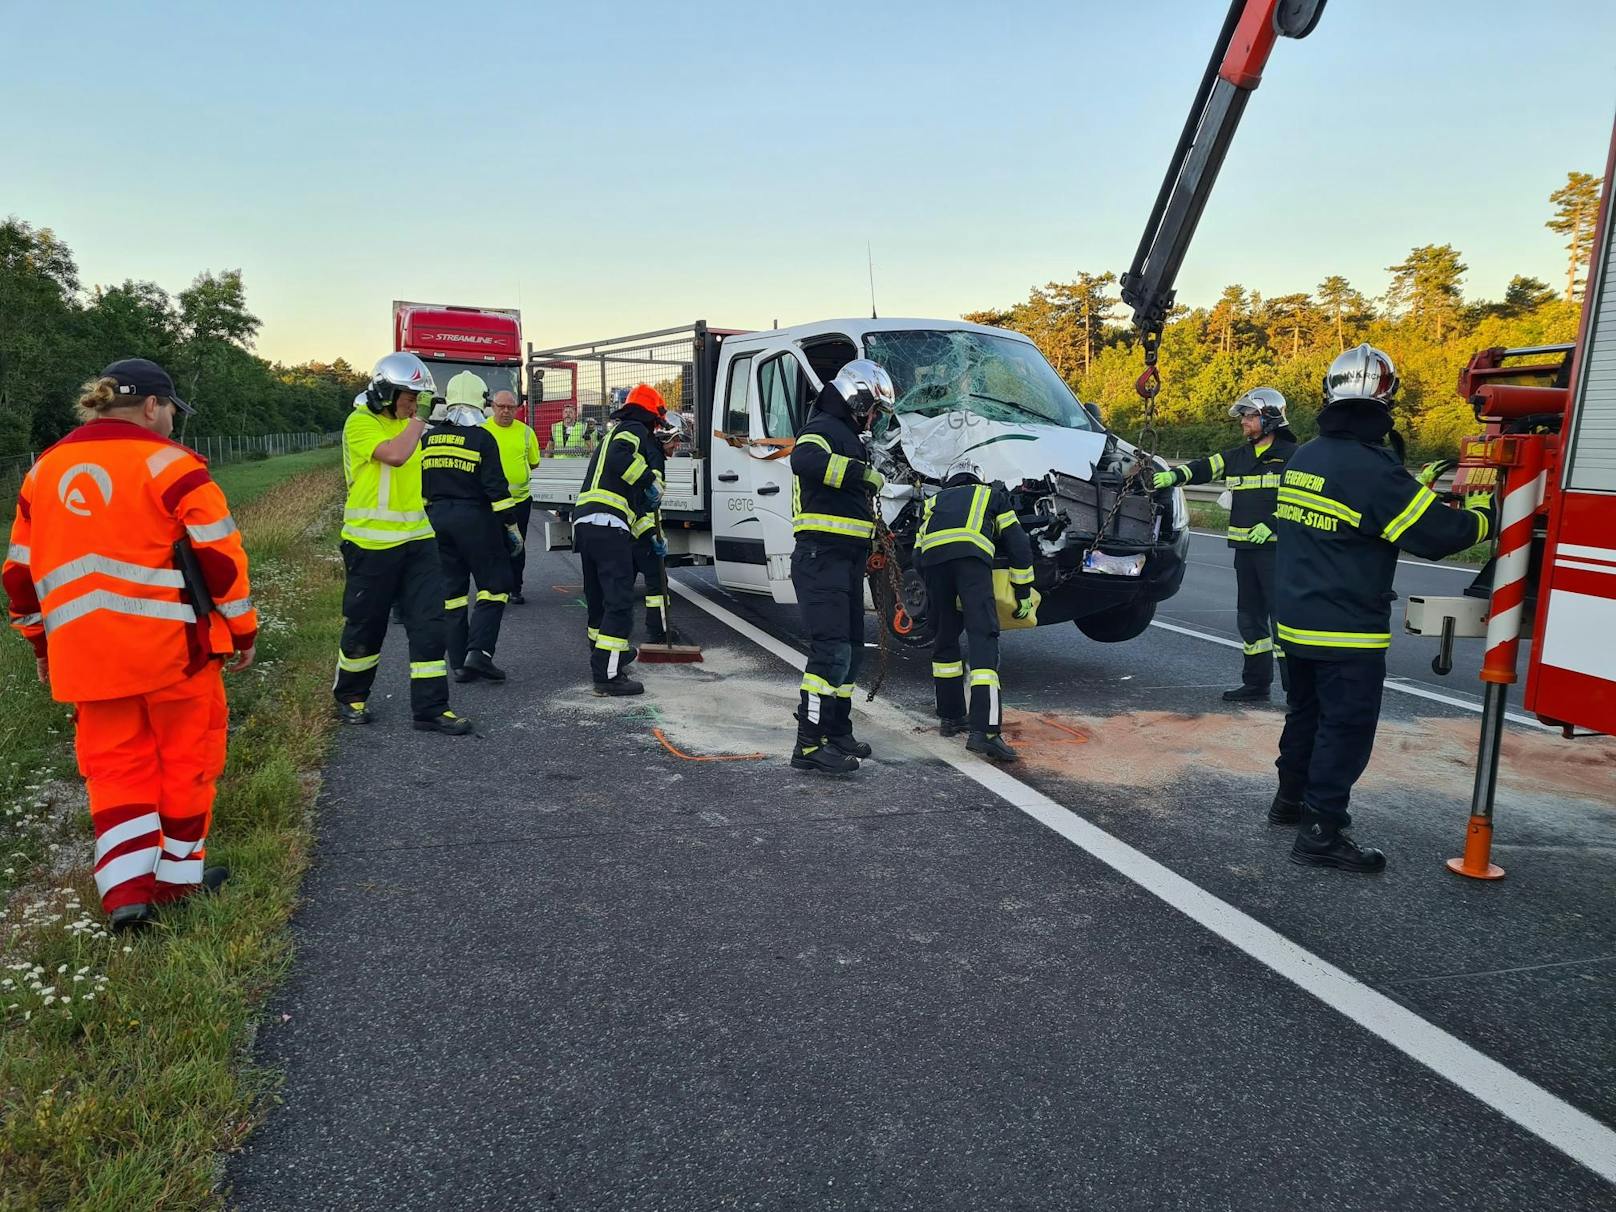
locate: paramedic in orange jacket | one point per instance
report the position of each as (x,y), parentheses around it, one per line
(127,575)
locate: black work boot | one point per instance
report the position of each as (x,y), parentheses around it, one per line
(1320,842)
(354,713)
(1284,810)
(480,665)
(1246,694)
(518,598)
(950,727)
(446,722)
(213,879)
(991,746)
(622,686)
(131,917)
(850,745)
(819,755)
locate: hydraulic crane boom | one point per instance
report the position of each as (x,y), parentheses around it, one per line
(1233,73)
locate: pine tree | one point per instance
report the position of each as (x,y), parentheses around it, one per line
(1576,204)
(1425,286)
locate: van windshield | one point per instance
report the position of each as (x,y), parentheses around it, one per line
(937,371)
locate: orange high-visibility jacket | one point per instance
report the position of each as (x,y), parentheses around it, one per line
(91,571)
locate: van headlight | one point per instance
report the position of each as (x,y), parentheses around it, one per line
(1181,512)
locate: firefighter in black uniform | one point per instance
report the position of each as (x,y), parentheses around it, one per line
(470,506)
(618,489)
(966,526)
(833,514)
(1346,505)
(1251,470)
(650,546)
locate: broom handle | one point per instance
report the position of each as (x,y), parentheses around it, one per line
(665,587)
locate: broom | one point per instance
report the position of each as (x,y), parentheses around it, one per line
(667,654)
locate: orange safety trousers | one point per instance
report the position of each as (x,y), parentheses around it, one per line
(151,762)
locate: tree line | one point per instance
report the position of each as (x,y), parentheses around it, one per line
(1209,355)
(55,334)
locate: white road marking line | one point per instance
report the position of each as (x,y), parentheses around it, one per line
(1472,570)
(1550,1119)
(1402,686)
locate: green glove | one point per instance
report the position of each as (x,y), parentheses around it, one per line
(1023,607)
(874,479)
(1435,470)
(1260,533)
(1479,500)
(1164,479)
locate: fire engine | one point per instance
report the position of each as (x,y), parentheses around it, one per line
(1547,446)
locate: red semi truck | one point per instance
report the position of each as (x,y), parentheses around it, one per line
(484,340)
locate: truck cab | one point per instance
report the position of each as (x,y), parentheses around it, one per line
(450,339)
(964,391)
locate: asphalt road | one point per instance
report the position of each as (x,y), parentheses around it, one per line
(574,963)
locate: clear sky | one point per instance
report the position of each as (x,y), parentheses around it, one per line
(611,167)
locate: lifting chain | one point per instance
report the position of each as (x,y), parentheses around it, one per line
(1148,384)
(884,559)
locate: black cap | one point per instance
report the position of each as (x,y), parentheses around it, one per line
(141,377)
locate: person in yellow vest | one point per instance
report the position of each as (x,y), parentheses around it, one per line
(569,436)
(390,551)
(518,455)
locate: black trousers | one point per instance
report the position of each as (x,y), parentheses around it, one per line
(1254,607)
(606,553)
(521,515)
(828,576)
(471,547)
(408,575)
(1334,708)
(648,565)
(959,595)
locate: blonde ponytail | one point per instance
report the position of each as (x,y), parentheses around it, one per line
(100,396)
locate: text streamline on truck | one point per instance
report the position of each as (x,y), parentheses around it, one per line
(484,340)
(965,392)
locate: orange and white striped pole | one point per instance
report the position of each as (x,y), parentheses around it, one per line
(1522,481)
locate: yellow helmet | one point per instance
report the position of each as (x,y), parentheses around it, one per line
(466,388)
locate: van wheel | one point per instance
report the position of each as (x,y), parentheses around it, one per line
(1121,623)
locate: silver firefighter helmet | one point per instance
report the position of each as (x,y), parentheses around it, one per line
(866,386)
(1265,402)
(1364,373)
(670,427)
(396,373)
(965,467)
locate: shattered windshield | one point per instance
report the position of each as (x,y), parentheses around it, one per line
(936,371)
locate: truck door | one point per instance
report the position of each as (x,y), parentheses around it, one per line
(752,539)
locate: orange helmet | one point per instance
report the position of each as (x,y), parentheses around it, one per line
(647,397)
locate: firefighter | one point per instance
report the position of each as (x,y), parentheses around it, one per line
(964,528)
(833,519)
(518,455)
(389,550)
(1251,470)
(1346,505)
(469,504)
(618,488)
(569,435)
(127,576)
(650,545)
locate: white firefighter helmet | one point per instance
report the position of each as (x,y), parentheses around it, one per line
(670,427)
(1364,373)
(396,373)
(1265,402)
(866,386)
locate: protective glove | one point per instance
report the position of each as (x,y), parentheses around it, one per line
(653,496)
(1435,470)
(513,540)
(874,480)
(660,546)
(1164,479)
(1260,533)
(1023,607)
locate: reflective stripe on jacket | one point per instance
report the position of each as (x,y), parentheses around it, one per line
(618,472)
(1345,508)
(1252,472)
(385,506)
(462,462)
(91,570)
(561,434)
(969,518)
(829,495)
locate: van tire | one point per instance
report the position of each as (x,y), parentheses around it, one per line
(1118,624)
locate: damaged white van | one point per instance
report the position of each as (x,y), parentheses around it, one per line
(965,392)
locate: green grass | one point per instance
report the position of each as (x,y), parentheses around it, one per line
(125,1096)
